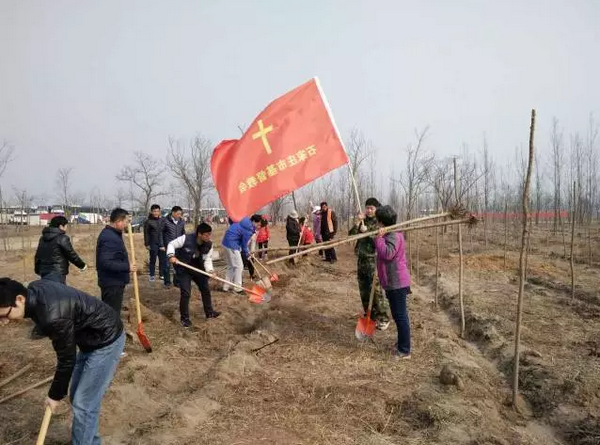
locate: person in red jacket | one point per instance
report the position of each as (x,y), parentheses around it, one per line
(262,238)
(307,234)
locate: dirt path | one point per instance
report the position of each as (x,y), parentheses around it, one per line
(316,385)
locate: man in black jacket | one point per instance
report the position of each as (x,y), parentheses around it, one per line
(153,240)
(112,261)
(55,252)
(72,319)
(196,250)
(173,228)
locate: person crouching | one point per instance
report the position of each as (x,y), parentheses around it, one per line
(194,249)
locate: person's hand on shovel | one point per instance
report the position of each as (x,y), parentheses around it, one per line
(132,267)
(173,260)
(54,405)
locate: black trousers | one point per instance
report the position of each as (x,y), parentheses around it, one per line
(264,245)
(113,296)
(185,287)
(330,254)
(248,265)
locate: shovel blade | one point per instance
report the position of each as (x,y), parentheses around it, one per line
(365,328)
(144,340)
(256,294)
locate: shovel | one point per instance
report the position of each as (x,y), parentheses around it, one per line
(272,276)
(44,428)
(144,340)
(256,295)
(266,282)
(365,328)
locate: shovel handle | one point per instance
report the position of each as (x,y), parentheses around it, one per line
(44,428)
(372,295)
(136,289)
(187,266)
(261,264)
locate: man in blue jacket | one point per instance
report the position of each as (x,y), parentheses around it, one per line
(112,260)
(235,243)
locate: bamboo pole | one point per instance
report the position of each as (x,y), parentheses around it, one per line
(394,228)
(437,264)
(17,374)
(505,230)
(524,237)
(329,243)
(460,260)
(29,388)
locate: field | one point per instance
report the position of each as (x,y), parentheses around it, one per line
(316,384)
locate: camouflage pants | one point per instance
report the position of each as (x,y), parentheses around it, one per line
(365,270)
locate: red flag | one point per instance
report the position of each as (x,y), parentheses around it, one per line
(291,143)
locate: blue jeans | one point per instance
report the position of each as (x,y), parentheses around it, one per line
(155,253)
(397,299)
(91,377)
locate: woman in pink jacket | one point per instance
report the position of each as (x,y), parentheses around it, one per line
(394,276)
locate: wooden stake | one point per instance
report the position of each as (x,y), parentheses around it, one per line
(572,260)
(524,237)
(417,267)
(437,264)
(505,230)
(460,260)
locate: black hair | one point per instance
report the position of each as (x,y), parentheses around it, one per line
(118,214)
(264,222)
(176,209)
(203,228)
(386,216)
(9,289)
(323,204)
(58,221)
(372,202)
(256,218)
(301,220)
(154,207)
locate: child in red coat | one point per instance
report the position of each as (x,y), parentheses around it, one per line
(262,238)
(307,234)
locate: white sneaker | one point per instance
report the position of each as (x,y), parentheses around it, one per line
(383,325)
(123,354)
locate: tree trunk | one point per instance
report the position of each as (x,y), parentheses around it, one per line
(572,260)
(418,258)
(522,265)
(589,237)
(460,259)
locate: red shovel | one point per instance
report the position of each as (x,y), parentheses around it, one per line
(365,328)
(256,295)
(272,276)
(144,340)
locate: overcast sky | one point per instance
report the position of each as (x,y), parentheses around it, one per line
(83,84)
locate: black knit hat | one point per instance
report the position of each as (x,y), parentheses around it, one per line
(386,216)
(372,202)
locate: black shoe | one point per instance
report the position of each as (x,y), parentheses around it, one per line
(186,323)
(36,334)
(213,314)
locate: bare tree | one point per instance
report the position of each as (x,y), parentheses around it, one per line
(63,186)
(6,152)
(276,208)
(487,185)
(192,169)
(359,150)
(145,174)
(417,167)
(120,197)
(24,201)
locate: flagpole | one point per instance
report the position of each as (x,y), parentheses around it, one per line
(337,131)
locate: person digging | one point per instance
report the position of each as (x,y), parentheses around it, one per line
(74,321)
(194,249)
(366,266)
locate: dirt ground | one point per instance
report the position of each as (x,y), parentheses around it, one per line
(316,384)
